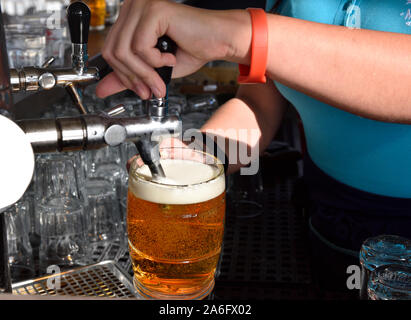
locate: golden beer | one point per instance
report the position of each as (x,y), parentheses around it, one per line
(176,226)
(98,14)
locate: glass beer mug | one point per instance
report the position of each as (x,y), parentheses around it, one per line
(175,225)
(98,14)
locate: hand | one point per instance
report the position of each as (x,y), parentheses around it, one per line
(201,36)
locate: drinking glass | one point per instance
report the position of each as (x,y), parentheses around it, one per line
(57,175)
(57,35)
(98,14)
(26,45)
(128,150)
(19,248)
(245,193)
(379,251)
(390,282)
(175,225)
(92,104)
(123,215)
(113,10)
(63,233)
(107,163)
(102,211)
(94,158)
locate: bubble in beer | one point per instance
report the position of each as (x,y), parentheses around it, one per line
(175,228)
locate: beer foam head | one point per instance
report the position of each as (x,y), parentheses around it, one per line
(186,182)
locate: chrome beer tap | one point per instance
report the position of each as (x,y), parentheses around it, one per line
(90,131)
(157,108)
(46,78)
(94,131)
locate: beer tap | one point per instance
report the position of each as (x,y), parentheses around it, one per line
(46,78)
(92,131)
(158,109)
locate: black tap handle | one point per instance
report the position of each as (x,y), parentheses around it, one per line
(165,44)
(78,16)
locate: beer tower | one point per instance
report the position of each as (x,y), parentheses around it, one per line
(87,131)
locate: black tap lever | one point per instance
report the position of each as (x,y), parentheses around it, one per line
(78,17)
(165,44)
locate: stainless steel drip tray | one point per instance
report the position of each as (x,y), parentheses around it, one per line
(101,280)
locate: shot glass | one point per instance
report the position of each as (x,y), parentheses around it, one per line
(379,251)
(94,158)
(63,233)
(26,45)
(390,282)
(57,175)
(128,150)
(107,163)
(19,248)
(104,222)
(175,225)
(245,193)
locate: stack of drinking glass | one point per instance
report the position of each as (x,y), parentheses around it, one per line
(76,203)
(36,30)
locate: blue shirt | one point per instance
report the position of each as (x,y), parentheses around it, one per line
(369,155)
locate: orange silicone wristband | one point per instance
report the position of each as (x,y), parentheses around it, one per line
(255,73)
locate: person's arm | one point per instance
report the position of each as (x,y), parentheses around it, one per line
(364,72)
(361,71)
(252,118)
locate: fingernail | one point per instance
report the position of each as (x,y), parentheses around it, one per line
(157,92)
(140,90)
